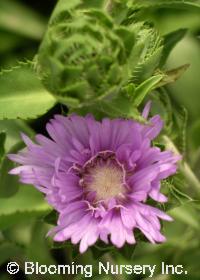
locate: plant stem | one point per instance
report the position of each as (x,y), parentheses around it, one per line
(108,258)
(109,6)
(184,166)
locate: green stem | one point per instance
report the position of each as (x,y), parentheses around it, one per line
(108,258)
(184,166)
(109,6)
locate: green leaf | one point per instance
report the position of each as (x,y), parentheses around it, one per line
(170,41)
(174,115)
(100,249)
(172,4)
(51,218)
(13,128)
(180,125)
(22,95)
(162,105)
(2,142)
(26,203)
(20,233)
(9,42)
(9,184)
(146,54)
(72,249)
(127,251)
(113,106)
(172,75)
(187,214)
(186,90)
(143,89)
(120,107)
(175,189)
(19,19)
(64,6)
(123,104)
(195,135)
(8,250)
(38,249)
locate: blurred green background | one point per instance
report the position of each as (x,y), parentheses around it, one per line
(22,237)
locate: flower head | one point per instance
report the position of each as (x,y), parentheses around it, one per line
(99,176)
(88,51)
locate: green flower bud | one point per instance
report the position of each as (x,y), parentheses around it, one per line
(93,49)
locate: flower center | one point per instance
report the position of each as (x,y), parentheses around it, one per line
(107,182)
(104,176)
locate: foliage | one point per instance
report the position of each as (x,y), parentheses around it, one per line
(20,88)
(25,21)
(87,58)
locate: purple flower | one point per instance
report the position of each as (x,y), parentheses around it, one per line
(99,176)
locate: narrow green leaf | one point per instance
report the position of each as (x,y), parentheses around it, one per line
(2,142)
(170,41)
(172,75)
(9,184)
(143,89)
(13,128)
(51,218)
(22,95)
(172,4)
(19,19)
(127,251)
(100,249)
